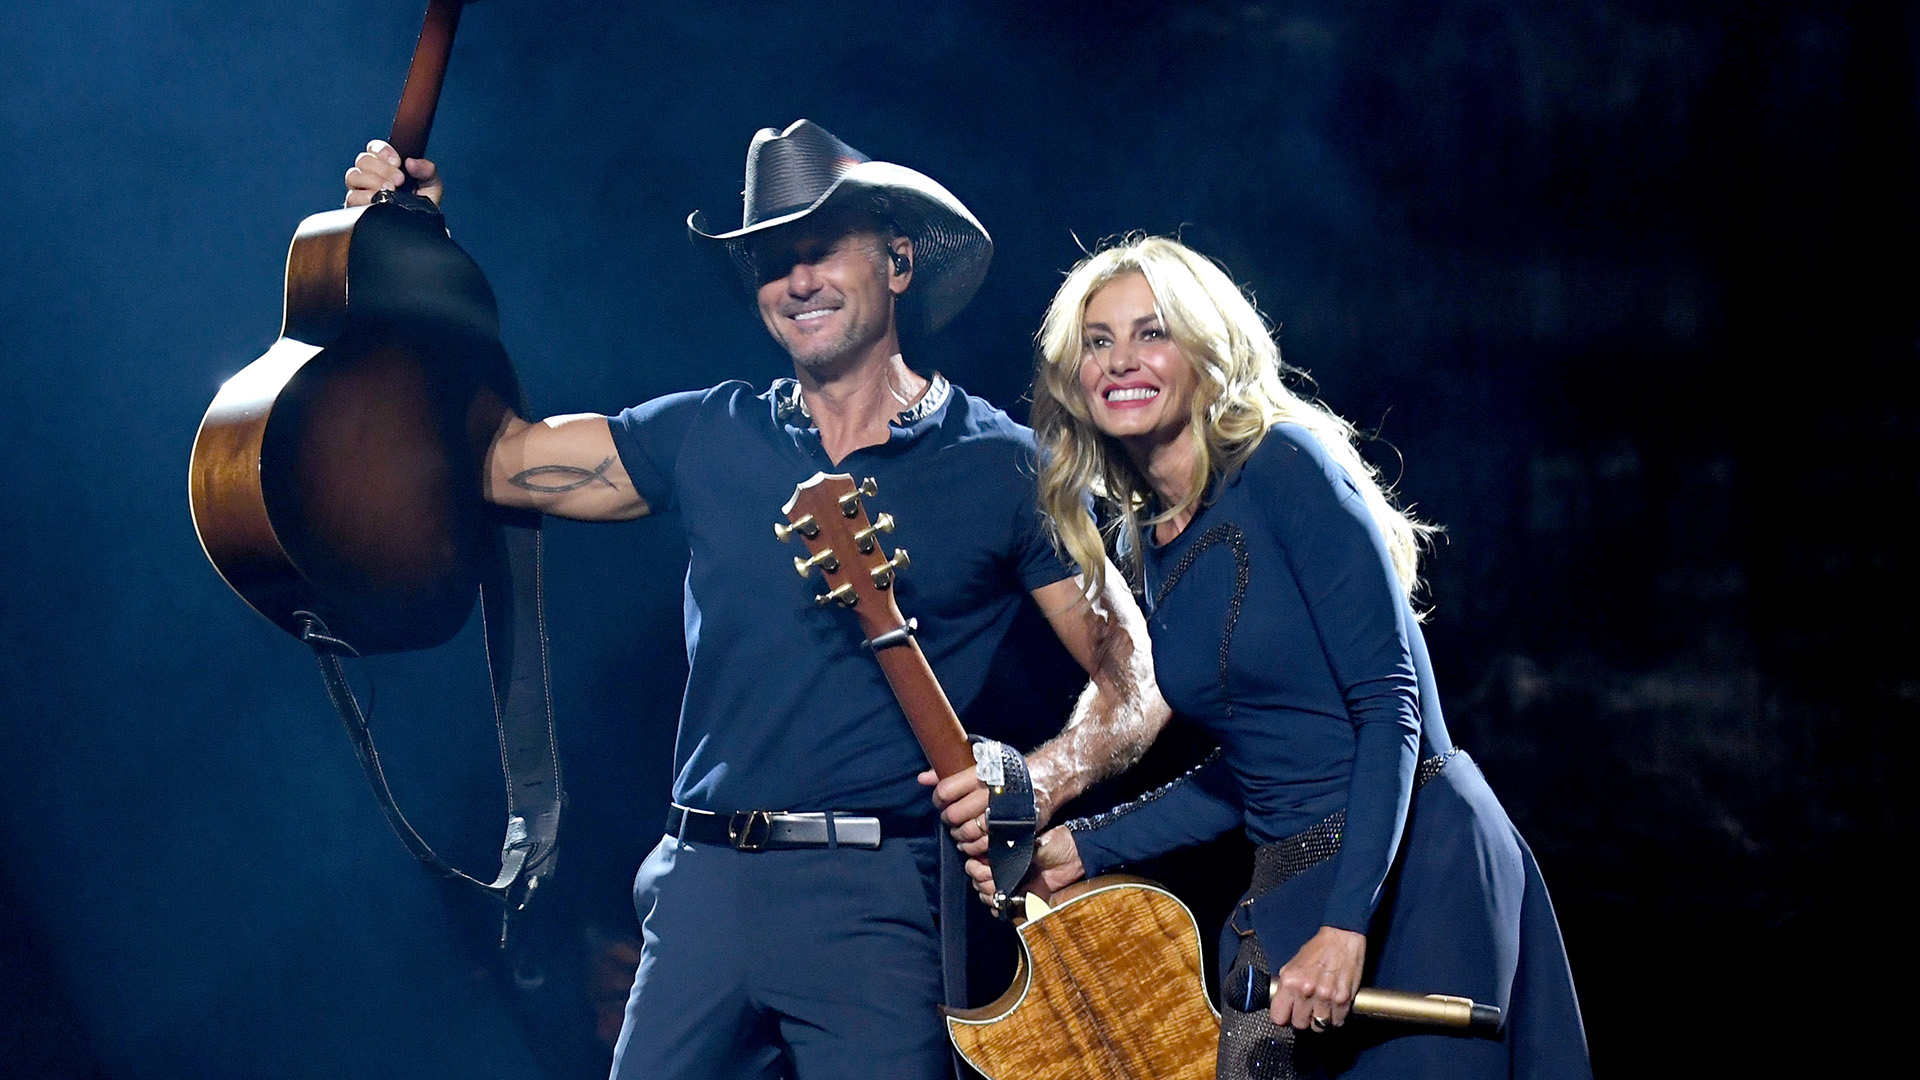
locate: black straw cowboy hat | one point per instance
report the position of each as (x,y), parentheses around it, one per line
(803,170)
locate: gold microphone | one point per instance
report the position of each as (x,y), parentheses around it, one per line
(1249,989)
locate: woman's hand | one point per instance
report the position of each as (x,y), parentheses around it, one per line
(378,168)
(1315,989)
(1056,865)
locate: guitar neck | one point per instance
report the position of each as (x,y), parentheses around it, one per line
(413,120)
(827,514)
(928,710)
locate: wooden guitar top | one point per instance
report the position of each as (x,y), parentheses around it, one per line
(1109,985)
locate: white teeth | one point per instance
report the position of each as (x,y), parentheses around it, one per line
(1137,393)
(818,314)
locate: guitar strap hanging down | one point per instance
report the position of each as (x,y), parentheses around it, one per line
(515,630)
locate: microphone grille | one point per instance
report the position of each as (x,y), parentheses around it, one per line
(1247,988)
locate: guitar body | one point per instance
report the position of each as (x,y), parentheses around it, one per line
(339,473)
(1109,985)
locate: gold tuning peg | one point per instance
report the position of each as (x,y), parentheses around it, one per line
(842,593)
(864,538)
(806,527)
(883,575)
(824,560)
(850,502)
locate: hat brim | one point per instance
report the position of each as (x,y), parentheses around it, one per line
(951,248)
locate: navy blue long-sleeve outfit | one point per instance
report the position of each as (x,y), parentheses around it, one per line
(1278,626)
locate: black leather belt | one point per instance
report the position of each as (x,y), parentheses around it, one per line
(773,830)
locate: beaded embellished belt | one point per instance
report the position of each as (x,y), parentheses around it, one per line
(1274,863)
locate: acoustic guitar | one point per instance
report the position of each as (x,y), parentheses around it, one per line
(339,473)
(336,481)
(1108,982)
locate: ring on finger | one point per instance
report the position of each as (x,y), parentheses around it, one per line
(1318,1023)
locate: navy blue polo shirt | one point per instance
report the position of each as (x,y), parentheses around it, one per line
(783,708)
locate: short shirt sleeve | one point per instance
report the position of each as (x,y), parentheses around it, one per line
(1037,561)
(648,438)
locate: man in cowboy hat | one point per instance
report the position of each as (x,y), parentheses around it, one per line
(820,959)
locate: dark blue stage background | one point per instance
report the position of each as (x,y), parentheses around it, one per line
(1626,283)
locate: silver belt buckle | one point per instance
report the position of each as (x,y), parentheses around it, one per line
(750,830)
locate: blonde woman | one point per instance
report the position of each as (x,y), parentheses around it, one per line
(1278,578)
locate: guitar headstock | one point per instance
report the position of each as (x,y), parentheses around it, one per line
(844,546)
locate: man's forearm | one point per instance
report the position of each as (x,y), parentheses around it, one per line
(1118,715)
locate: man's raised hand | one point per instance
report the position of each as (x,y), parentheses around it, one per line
(379,168)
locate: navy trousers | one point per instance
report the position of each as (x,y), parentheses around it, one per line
(809,965)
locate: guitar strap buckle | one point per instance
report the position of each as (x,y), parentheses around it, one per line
(893,638)
(750,830)
(1233,920)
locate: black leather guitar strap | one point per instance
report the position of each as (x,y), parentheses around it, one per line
(512,611)
(1011,820)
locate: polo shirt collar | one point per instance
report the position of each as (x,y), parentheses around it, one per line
(790,405)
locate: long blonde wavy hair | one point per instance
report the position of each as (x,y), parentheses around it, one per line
(1238,394)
